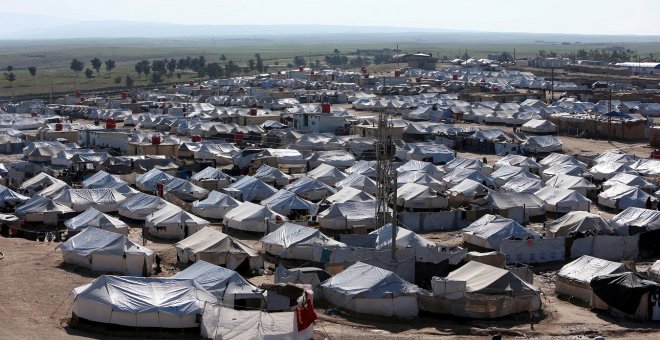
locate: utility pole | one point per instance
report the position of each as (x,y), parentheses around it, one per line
(609,106)
(552,84)
(386,185)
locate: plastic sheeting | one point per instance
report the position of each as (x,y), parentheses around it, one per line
(298,242)
(225,284)
(578,222)
(490,230)
(224,323)
(340,216)
(534,251)
(141,302)
(105,200)
(92,218)
(562,200)
(349,194)
(635,219)
(215,206)
(249,189)
(621,196)
(252,217)
(284,202)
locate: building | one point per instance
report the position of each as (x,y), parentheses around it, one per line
(642,68)
(542,62)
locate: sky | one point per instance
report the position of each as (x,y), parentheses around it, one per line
(639,17)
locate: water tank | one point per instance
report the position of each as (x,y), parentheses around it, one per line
(196,138)
(253,111)
(155,139)
(110,123)
(59,127)
(397,73)
(325,108)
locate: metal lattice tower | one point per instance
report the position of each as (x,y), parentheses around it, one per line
(386,182)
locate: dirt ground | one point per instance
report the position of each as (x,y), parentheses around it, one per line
(36,303)
(35,293)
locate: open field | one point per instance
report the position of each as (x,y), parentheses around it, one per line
(52,58)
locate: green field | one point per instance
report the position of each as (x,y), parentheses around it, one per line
(52,58)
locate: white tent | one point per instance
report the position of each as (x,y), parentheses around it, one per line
(458,175)
(147,181)
(607,170)
(39,183)
(338,158)
(629,179)
(420,166)
(358,181)
(248,189)
(287,203)
(92,218)
(252,217)
(10,198)
(104,200)
(40,208)
(215,206)
(367,168)
(506,173)
(561,159)
(211,178)
(272,176)
(577,183)
(578,221)
(542,144)
(102,179)
(516,206)
(215,247)
(562,169)
(225,284)
(573,279)
(634,220)
(423,178)
(467,191)
(224,323)
(183,190)
(522,185)
(478,290)
(347,215)
(141,302)
(519,161)
(434,152)
(105,251)
(310,189)
(418,196)
(562,200)
(489,231)
(293,241)
(538,126)
(172,222)
(425,249)
(621,196)
(327,174)
(141,205)
(371,290)
(349,194)
(468,163)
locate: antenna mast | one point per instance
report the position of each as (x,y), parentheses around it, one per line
(386,184)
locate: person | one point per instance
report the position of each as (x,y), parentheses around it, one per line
(50,236)
(485,160)
(158,269)
(649,203)
(144,236)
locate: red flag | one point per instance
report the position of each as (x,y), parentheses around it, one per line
(305,315)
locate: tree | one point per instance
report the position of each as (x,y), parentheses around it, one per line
(89,74)
(33,71)
(336,51)
(138,69)
(171,66)
(11,77)
(505,57)
(129,82)
(118,80)
(10,68)
(298,61)
(182,64)
(223,58)
(251,64)
(156,77)
(159,66)
(109,66)
(214,70)
(77,66)
(259,65)
(143,67)
(317,63)
(231,68)
(96,64)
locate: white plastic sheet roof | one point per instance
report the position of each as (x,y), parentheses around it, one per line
(349,194)
(489,230)
(587,267)
(578,221)
(218,281)
(137,295)
(369,282)
(284,201)
(95,219)
(290,234)
(638,217)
